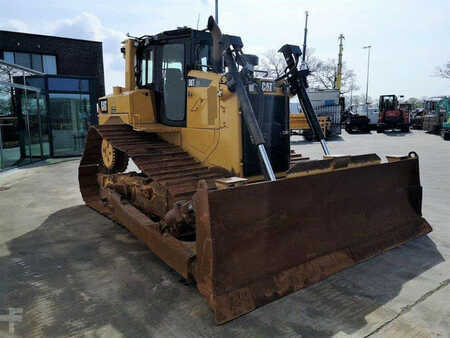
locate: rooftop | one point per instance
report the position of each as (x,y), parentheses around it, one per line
(48,36)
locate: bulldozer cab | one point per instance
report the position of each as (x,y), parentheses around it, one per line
(163,64)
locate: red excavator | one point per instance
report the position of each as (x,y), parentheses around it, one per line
(391,116)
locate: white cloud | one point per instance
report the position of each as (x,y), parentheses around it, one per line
(88,26)
(85,26)
(15,26)
(407,45)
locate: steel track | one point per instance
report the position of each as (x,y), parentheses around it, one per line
(167,164)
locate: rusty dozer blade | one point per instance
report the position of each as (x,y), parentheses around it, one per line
(258,242)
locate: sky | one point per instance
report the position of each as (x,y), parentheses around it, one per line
(409,38)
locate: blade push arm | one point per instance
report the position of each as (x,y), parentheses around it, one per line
(298,84)
(233,56)
(249,115)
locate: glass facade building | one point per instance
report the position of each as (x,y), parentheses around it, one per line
(70,107)
(49,87)
(48,117)
(22,133)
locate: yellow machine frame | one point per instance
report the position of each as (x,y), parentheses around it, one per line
(213,129)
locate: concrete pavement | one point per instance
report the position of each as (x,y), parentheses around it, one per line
(76,273)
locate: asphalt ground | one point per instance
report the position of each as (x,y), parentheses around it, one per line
(67,271)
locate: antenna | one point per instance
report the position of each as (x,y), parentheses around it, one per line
(304,39)
(198,20)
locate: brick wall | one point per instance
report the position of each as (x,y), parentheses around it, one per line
(73,57)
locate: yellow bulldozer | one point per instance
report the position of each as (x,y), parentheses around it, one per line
(217,194)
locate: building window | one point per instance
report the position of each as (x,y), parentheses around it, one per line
(70,113)
(22,59)
(37,82)
(68,84)
(36,62)
(9,57)
(49,64)
(39,62)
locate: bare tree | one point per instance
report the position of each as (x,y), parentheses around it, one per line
(444,71)
(313,62)
(348,82)
(323,73)
(324,76)
(273,63)
(352,87)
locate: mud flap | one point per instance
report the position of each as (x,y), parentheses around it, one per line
(259,242)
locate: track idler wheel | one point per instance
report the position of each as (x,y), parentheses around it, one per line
(114,161)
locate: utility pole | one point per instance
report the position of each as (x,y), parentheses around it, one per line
(217,11)
(367,82)
(304,41)
(351,94)
(337,83)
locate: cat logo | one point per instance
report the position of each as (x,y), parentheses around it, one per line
(267,86)
(191,82)
(104,105)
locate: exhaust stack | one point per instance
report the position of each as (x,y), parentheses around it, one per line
(217,45)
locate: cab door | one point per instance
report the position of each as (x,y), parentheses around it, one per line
(170,84)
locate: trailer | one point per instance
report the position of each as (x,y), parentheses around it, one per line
(299,126)
(327,108)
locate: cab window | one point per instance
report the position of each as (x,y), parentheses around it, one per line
(204,57)
(146,68)
(173,82)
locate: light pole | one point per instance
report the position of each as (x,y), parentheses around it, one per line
(217,11)
(367,82)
